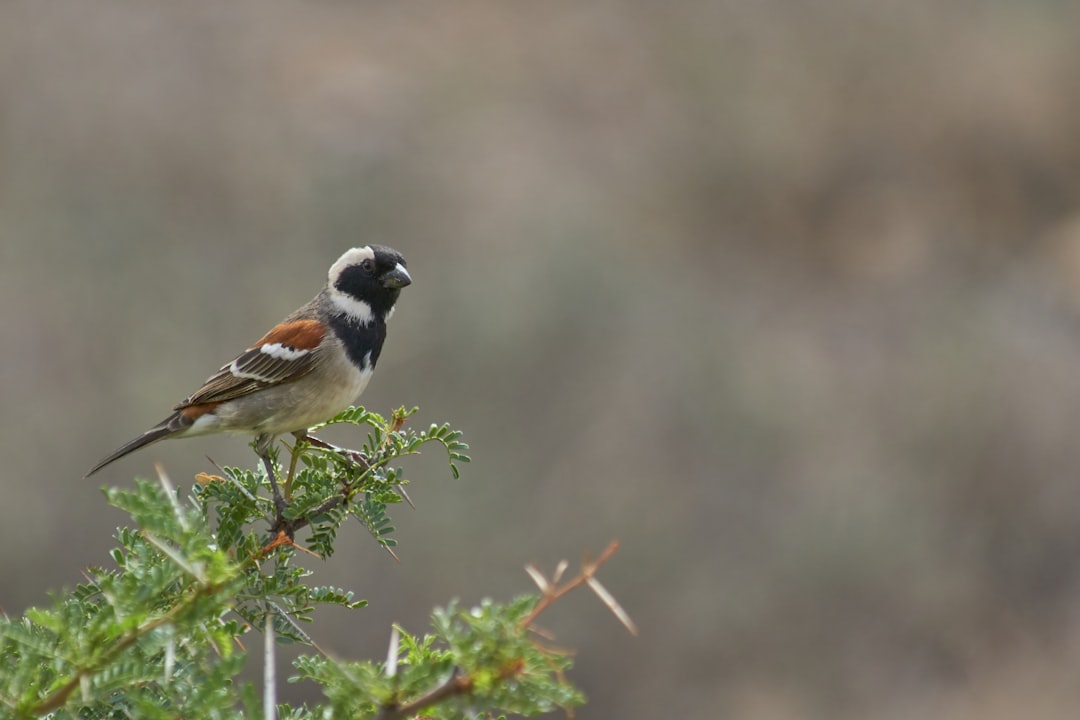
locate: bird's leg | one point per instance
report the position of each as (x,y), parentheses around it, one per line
(279,501)
(263,443)
(355,455)
(294,455)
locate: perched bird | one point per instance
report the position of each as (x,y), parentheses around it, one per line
(304,371)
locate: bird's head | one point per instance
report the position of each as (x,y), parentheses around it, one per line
(365,282)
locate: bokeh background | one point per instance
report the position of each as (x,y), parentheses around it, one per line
(781,295)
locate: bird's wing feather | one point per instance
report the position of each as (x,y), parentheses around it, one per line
(286,353)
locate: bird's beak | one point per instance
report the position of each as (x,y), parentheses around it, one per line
(397,278)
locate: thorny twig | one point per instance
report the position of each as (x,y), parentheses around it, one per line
(552,591)
(460,683)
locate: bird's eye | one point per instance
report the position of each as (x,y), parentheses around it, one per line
(368,266)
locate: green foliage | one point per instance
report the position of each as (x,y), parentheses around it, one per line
(481,657)
(150,626)
(162,635)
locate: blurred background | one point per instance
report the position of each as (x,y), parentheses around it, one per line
(782,296)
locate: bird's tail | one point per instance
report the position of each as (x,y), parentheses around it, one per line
(171,425)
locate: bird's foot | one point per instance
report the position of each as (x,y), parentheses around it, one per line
(354,456)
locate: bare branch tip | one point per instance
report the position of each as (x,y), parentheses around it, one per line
(559,570)
(612,604)
(163,477)
(538,578)
(392,651)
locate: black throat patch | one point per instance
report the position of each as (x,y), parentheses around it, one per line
(360,338)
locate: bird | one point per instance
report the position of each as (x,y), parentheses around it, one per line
(306,369)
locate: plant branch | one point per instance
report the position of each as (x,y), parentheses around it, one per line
(269,668)
(58,697)
(552,591)
(457,684)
